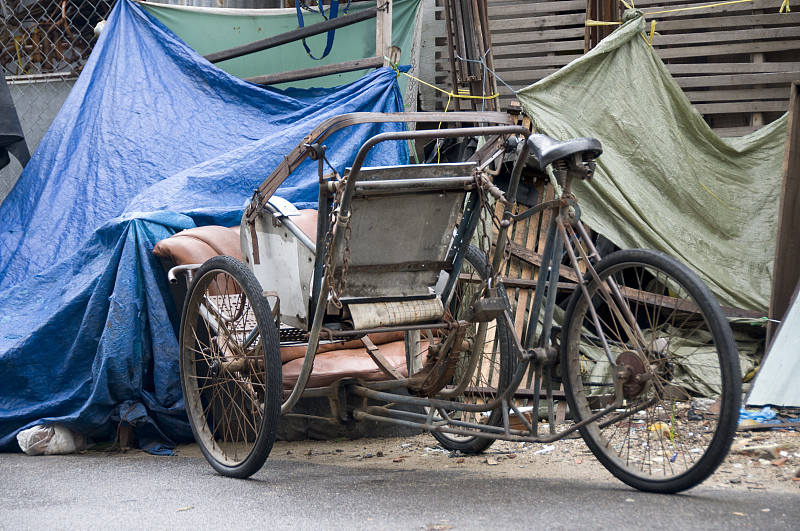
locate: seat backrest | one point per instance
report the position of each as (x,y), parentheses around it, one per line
(402,223)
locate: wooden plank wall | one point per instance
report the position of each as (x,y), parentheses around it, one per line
(734,62)
(530,40)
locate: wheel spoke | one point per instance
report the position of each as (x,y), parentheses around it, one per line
(493,367)
(663,438)
(231,391)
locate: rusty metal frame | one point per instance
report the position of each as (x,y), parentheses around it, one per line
(437,419)
(502,127)
(331,125)
(564,231)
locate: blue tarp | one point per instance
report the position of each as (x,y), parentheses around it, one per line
(152,139)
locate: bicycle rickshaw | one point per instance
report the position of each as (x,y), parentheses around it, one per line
(420,251)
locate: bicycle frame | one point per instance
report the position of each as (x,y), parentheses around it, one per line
(565,232)
(559,238)
(638,327)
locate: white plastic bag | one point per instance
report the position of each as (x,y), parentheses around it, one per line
(50,440)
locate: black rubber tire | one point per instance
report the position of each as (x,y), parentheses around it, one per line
(665,438)
(233,414)
(498,369)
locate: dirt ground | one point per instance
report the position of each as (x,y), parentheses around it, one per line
(759,460)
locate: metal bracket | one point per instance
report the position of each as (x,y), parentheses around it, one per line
(380,360)
(485,310)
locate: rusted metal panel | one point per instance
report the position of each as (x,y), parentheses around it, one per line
(289,268)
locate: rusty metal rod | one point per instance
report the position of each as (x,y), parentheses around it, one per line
(291,36)
(316,71)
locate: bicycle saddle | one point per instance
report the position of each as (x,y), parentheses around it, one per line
(545,150)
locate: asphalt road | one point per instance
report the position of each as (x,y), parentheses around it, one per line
(137,491)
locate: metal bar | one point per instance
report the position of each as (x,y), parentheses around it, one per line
(486,431)
(619,305)
(401,267)
(416,135)
(415,185)
(403,328)
(519,393)
(592,311)
(483,16)
(449,25)
(316,71)
(323,221)
(335,123)
(552,289)
(538,294)
(511,198)
(287,222)
(291,36)
(461,241)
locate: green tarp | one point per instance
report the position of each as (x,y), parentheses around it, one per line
(665,180)
(209,30)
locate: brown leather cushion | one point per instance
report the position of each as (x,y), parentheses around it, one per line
(307,222)
(195,246)
(334,360)
(292,353)
(355,363)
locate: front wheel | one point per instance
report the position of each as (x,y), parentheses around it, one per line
(230,367)
(676,357)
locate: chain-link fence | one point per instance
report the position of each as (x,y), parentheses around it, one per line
(44,44)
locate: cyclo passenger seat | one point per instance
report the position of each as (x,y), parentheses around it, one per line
(546,150)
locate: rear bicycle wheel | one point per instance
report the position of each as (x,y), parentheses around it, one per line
(681,386)
(495,365)
(230,367)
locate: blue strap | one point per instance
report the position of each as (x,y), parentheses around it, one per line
(332,13)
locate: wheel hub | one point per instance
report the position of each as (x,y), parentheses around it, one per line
(214,369)
(634,374)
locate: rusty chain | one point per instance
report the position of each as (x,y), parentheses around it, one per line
(330,279)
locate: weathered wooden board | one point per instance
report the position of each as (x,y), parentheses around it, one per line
(753,94)
(733,61)
(786,270)
(524,9)
(732,68)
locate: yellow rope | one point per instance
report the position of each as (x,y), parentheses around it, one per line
(449,94)
(18,48)
(715,196)
(785,7)
(592,23)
